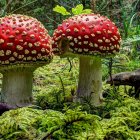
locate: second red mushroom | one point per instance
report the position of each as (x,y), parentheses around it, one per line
(89,37)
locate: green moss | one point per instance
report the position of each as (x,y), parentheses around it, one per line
(18,124)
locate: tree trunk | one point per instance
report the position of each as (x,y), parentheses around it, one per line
(93,5)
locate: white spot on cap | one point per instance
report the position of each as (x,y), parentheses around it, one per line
(37,44)
(30,45)
(101,47)
(79,50)
(24,33)
(86,36)
(79,37)
(7,62)
(95,45)
(91,44)
(29,58)
(35,30)
(60,31)
(114,51)
(79,43)
(57,38)
(104,48)
(15,54)
(12,59)
(86,50)
(90,52)
(85,42)
(7,31)
(67,24)
(34,52)
(11,36)
(109,32)
(17,31)
(107,41)
(71,44)
(116,38)
(76,30)
(68,30)
(34,59)
(42,40)
(24,58)
(112,47)
(98,32)
(75,40)
(100,40)
(1,41)
(108,25)
(112,39)
(118,46)
(93,35)
(26,51)
(107,48)
(32,36)
(55,49)
(83,29)
(8,52)
(1,53)
(104,30)
(70,37)
(20,40)
(10,44)
(43,50)
(19,47)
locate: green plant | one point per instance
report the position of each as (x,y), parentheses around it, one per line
(79,9)
(69,125)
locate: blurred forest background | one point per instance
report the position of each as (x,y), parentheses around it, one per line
(123,13)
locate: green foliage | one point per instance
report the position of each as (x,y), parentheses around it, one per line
(124,122)
(69,125)
(75,11)
(18,124)
(28,123)
(62,10)
(79,9)
(54,99)
(120,117)
(55,83)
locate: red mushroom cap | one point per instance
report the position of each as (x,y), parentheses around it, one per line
(88,34)
(23,39)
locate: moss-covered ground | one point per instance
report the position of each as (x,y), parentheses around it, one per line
(55,116)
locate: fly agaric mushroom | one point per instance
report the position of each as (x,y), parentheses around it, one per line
(90,37)
(24,46)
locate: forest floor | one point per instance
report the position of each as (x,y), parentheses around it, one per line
(56,117)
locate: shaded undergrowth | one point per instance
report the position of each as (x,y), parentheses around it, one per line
(55,116)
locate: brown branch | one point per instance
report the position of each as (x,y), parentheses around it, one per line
(93,5)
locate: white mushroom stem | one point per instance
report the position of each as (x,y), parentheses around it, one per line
(90,80)
(17,87)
